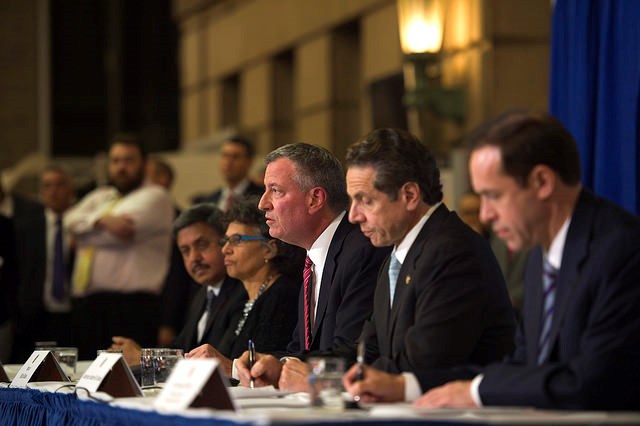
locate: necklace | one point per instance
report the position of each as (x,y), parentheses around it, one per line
(248,306)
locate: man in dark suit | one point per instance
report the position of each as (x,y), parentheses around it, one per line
(45,261)
(218,303)
(236,157)
(304,203)
(440,300)
(580,341)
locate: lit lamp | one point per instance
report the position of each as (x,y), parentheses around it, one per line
(421,24)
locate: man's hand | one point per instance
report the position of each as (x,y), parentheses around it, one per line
(376,385)
(121,226)
(294,376)
(265,371)
(129,347)
(208,351)
(452,395)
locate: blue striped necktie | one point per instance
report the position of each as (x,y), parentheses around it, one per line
(549,275)
(394,271)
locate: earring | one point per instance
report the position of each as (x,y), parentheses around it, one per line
(266,261)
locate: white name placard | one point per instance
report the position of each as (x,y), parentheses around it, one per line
(41,366)
(195,383)
(110,373)
(97,371)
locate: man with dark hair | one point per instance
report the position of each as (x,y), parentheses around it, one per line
(440,300)
(579,342)
(123,235)
(218,302)
(304,203)
(236,157)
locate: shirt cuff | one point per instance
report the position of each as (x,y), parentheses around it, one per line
(412,389)
(475,389)
(234,370)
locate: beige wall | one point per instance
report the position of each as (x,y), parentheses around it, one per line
(497,50)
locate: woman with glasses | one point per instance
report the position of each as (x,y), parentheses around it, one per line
(271,273)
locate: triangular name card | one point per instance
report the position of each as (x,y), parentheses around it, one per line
(109,373)
(196,383)
(3,374)
(41,366)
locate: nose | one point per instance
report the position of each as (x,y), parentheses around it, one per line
(226,248)
(487,212)
(194,256)
(263,204)
(354,214)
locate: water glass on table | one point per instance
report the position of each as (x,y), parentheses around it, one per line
(67,357)
(325,379)
(164,361)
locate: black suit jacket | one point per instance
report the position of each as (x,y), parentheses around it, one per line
(269,324)
(225,313)
(595,333)
(8,270)
(30,225)
(346,295)
(214,197)
(451,305)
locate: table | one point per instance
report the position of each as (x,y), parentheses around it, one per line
(34,407)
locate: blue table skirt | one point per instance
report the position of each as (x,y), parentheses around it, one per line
(32,407)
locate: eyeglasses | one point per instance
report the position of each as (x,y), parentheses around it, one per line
(235,239)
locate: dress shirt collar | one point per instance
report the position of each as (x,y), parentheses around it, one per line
(554,255)
(215,288)
(402,249)
(318,251)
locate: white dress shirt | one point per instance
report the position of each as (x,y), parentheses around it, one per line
(125,266)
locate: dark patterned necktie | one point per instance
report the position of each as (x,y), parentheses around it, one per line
(57,279)
(308,288)
(549,275)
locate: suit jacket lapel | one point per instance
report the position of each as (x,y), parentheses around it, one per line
(573,254)
(409,265)
(533,326)
(200,298)
(329,271)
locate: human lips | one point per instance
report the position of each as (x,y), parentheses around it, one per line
(199,268)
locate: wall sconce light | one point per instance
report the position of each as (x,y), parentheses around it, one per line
(421,24)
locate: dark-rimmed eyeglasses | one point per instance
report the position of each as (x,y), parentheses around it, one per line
(236,239)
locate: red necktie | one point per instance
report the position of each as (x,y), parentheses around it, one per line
(308,283)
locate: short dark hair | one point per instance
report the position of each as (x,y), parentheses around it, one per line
(315,166)
(527,139)
(163,167)
(206,213)
(245,142)
(290,259)
(398,157)
(129,138)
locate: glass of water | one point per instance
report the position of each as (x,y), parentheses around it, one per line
(67,358)
(325,379)
(147,370)
(164,361)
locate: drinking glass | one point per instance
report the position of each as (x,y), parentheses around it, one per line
(325,379)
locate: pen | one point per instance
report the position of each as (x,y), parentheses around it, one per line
(360,360)
(252,360)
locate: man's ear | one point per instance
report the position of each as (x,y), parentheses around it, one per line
(316,199)
(410,194)
(272,249)
(543,180)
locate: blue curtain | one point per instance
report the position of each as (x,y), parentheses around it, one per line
(595,91)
